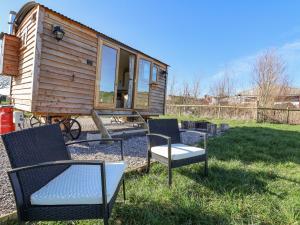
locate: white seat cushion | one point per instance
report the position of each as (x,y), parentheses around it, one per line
(80,184)
(178,151)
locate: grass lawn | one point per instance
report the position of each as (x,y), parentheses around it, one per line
(254,178)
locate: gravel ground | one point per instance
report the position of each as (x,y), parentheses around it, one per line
(135,151)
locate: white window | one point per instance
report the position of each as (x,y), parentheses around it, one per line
(155,71)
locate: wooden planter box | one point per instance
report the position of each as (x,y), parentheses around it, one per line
(201,125)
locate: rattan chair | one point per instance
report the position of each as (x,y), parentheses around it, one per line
(49,186)
(165,146)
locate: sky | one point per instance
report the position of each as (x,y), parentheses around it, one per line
(198,39)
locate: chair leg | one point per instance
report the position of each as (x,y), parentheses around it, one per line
(206,168)
(105,214)
(170,176)
(124,194)
(105,220)
(148,161)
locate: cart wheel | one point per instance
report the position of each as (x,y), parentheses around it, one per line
(35,122)
(71,128)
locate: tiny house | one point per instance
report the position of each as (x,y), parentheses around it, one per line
(61,68)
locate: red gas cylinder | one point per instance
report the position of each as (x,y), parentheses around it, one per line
(6,119)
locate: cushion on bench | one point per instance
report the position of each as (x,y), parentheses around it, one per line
(80,184)
(178,151)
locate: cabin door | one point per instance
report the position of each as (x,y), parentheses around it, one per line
(107,81)
(141,100)
(130,82)
(125,79)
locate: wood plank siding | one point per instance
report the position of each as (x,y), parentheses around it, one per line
(157,95)
(21,90)
(66,81)
(61,77)
(10,55)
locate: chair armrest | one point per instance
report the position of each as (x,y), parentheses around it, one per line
(167,138)
(13,173)
(58,163)
(93,140)
(200,133)
(159,135)
(101,140)
(193,131)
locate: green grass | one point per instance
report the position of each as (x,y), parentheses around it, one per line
(254,178)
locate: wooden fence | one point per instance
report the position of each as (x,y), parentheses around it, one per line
(260,114)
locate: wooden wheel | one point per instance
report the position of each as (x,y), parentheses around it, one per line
(35,122)
(71,128)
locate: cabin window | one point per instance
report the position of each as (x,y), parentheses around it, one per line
(142,97)
(154,73)
(108,74)
(24,37)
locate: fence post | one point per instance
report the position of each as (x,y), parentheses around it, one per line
(219,111)
(288,116)
(235,111)
(257,104)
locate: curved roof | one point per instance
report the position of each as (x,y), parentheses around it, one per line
(26,8)
(23,12)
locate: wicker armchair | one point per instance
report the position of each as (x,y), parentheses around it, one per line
(49,186)
(164,145)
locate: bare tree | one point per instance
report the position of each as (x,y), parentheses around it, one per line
(172,90)
(223,87)
(270,78)
(186,93)
(195,92)
(4,82)
(172,85)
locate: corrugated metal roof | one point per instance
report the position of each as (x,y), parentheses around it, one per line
(30,5)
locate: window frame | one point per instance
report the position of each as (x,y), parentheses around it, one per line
(157,73)
(97,103)
(138,80)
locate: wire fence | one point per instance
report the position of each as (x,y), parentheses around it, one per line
(260,114)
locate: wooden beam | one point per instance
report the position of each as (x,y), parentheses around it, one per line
(99,124)
(37,55)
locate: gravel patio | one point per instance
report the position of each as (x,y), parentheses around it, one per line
(135,152)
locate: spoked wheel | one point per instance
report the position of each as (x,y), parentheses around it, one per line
(35,122)
(71,128)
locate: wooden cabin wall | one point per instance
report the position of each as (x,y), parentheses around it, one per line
(63,81)
(21,90)
(66,82)
(157,95)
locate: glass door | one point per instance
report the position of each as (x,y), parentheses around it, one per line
(143,79)
(130,82)
(106,93)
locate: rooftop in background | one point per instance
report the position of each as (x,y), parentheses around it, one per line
(291,91)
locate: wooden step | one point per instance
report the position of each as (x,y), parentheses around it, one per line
(121,115)
(99,124)
(128,132)
(115,113)
(122,123)
(110,125)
